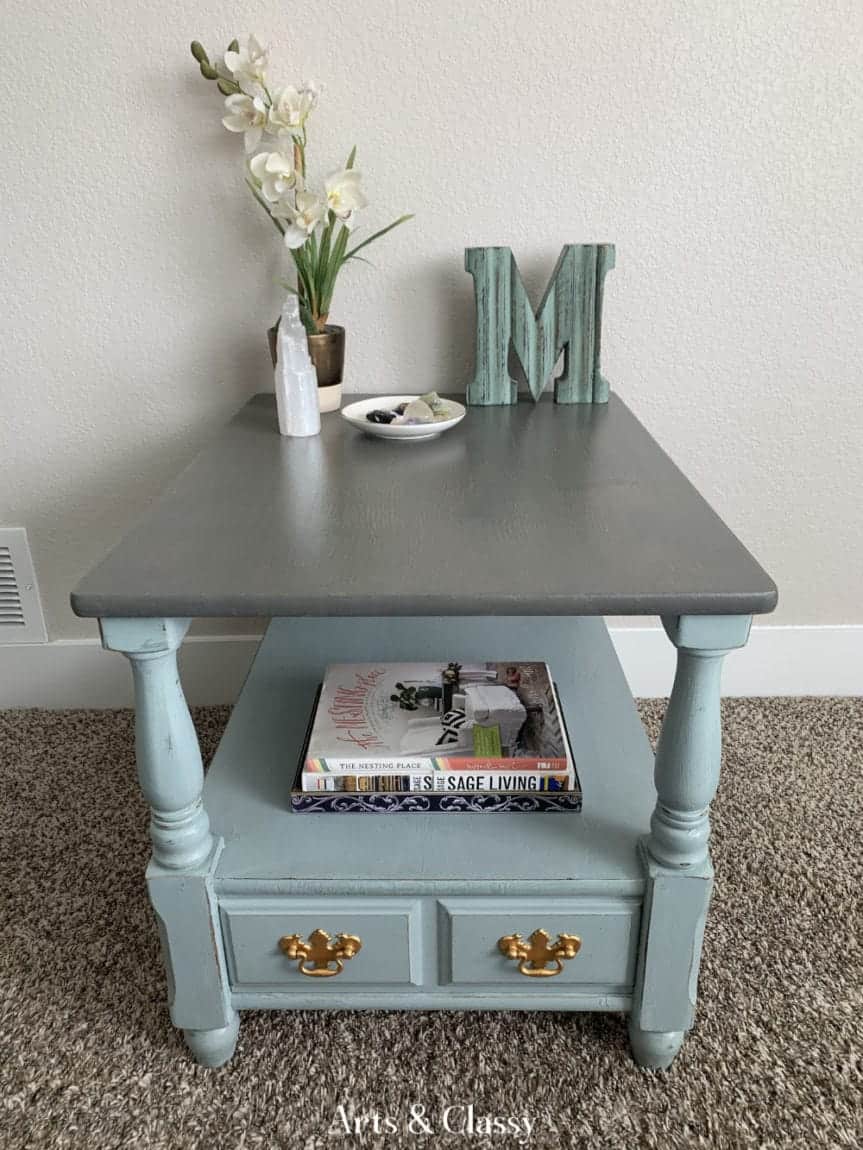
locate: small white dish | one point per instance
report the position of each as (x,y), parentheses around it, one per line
(355,414)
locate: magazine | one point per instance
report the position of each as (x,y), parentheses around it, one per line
(438,727)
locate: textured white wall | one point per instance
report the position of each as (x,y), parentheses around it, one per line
(713,142)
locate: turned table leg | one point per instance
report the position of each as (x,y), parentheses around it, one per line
(185,853)
(679,874)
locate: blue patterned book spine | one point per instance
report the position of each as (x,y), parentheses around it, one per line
(342,802)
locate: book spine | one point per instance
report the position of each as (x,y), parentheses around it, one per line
(441,781)
(428,765)
(343,802)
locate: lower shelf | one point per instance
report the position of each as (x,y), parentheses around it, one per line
(268,849)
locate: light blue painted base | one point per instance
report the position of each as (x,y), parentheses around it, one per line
(214,1047)
(655,1049)
(234,869)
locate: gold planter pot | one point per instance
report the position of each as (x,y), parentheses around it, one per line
(327,352)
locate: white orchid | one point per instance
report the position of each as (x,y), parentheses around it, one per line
(302,217)
(248,66)
(275,172)
(316,227)
(290,109)
(343,194)
(246,114)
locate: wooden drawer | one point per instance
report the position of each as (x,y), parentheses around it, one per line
(388,929)
(470,929)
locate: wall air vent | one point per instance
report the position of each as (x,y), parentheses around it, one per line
(21,619)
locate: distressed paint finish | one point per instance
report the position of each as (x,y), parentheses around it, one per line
(431,944)
(569,320)
(185,853)
(431,897)
(655,1049)
(491,998)
(676,862)
(491,269)
(214,1047)
(166,746)
(604,264)
(666,988)
(187,914)
(690,744)
(186,907)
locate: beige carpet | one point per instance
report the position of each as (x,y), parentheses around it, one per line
(88,1058)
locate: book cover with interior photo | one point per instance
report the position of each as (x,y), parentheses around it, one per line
(440,728)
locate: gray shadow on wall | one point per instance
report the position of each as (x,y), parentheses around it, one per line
(451,319)
(445,281)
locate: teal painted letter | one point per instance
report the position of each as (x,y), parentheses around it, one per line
(491,269)
(568,320)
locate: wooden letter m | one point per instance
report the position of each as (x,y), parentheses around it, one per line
(569,320)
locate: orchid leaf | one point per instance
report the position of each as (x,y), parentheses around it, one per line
(323,262)
(377,235)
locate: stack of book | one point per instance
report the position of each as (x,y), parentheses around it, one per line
(387,738)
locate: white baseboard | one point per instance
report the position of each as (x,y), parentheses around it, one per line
(777,661)
(79,673)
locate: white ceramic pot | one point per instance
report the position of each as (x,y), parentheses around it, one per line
(330,398)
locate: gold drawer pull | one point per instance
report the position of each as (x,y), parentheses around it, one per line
(536,953)
(316,955)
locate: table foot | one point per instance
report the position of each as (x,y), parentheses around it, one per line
(214,1047)
(655,1049)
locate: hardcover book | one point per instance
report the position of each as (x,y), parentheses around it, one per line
(438,728)
(409,802)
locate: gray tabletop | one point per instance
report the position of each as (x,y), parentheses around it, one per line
(525,510)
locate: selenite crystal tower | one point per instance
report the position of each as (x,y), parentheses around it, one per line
(296,380)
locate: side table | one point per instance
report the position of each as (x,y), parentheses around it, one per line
(509,537)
